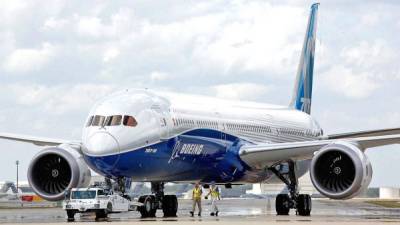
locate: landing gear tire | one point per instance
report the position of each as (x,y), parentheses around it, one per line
(102,214)
(70,215)
(148,209)
(282,204)
(170,205)
(292,200)
(304,205)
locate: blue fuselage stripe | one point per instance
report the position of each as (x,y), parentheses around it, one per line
(201,154)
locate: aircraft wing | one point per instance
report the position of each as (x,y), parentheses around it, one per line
(368,133)
(40,141)
(262,155)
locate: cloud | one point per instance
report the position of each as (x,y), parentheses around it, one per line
(370,19)
(158,76)
(59,99)
(240,91)
(246,42)
(369,54)
(345,82)
(29,59)
(11,9)
(54,24)
(95,27)
(387,119)
(90,26)
(361,69)
(110,54)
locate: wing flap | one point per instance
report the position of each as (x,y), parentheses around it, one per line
(262,155)
(40,141)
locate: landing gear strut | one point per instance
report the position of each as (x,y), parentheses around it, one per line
(293,200)
(168,203)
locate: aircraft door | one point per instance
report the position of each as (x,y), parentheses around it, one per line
(164,121)
(221,126)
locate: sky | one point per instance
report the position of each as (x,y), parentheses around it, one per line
(58,57)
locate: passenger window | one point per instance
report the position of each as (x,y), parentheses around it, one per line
(129,121)
(98,120)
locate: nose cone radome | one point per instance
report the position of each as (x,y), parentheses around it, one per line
(101,143)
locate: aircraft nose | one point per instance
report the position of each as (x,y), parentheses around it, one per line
(101,143)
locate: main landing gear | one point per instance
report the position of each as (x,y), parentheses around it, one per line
(293,200)
(157,200)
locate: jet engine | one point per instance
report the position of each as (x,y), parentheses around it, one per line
(340,170)
(56,169)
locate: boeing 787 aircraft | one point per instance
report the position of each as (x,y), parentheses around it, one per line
(159,137)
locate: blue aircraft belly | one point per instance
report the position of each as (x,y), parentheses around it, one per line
(205,155)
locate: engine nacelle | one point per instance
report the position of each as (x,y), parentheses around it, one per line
(56,169)
(340,170)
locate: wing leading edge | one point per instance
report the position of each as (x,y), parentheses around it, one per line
(263,155)
(368,133)
(40,141)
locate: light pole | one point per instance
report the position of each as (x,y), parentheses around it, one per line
(17,163)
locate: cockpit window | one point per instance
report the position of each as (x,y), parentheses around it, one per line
(89,122)
(113,120)
(98,120)
(129,121)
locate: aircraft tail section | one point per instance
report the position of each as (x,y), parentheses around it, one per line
(301,99)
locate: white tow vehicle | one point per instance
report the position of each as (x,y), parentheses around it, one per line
(97,200)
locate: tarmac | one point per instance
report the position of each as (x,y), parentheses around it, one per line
(232,212)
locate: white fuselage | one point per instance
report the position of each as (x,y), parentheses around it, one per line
(162,115)
(176,128)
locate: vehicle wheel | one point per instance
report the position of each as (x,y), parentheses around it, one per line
(71,215)
(282,204)
(170,205)
(304,205)
(101,214)
(109,208)
(148,209)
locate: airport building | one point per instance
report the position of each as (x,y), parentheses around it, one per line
(307,187)
(305,184)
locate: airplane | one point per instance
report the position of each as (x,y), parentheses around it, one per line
(158,137)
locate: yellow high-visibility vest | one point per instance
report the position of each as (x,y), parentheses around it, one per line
(197,193)
(215,192)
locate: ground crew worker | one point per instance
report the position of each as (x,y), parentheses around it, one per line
(215,195)
(67,194)
(197,193)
